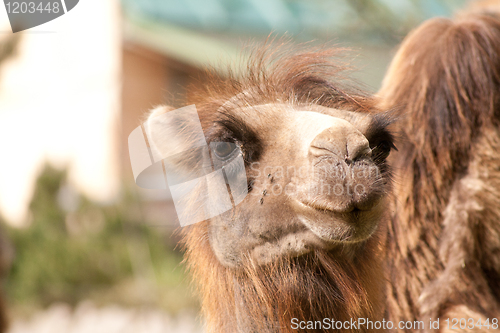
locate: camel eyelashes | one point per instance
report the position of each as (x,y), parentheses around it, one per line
(384,143)
(234,130)
(386,146)
(383,149)
(381,140)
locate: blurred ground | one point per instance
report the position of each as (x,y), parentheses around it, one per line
(83,267)
(60,318)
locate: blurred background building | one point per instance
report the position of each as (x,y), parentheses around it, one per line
(112,64)
(73,89)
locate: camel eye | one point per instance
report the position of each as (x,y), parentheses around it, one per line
(224,149)
(385,146)
(383,149)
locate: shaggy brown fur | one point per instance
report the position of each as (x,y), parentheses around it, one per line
(343,283)
(265,299)
(444,239)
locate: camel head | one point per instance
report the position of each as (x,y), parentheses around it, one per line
(313,160)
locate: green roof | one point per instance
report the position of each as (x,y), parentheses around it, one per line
(182,44)
(200,32)
(312,18)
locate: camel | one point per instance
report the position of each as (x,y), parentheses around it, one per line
(422,248)
(444,236)
(304,249)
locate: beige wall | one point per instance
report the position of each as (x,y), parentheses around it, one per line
(60,102)
(149,79)
(144,75)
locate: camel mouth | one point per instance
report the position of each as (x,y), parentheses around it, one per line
(351,208)
(350,223)
(342,209)
(319,228)
(349,212)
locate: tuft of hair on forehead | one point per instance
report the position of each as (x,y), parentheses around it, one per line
(282,72)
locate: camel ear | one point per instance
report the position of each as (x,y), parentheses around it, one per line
(172,132)
(176,137)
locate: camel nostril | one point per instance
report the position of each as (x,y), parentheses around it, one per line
(357,150)
(357,147)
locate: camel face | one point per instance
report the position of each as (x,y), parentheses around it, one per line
(316,178)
